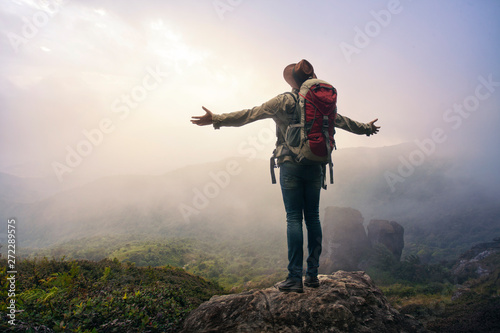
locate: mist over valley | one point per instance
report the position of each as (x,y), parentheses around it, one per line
(443,210)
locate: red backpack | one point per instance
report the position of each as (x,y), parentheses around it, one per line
(309,138)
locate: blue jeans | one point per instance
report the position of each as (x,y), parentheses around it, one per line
(301,187)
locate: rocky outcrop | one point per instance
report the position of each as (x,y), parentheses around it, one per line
(388,233)
(346,246)
(344,302)
(344,240)
(475,263)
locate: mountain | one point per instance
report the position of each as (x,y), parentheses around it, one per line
(31,189)
(18,189)
(444,211)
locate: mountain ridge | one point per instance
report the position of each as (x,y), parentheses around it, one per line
(235,194)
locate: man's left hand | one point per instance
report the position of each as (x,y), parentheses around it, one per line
(374,127)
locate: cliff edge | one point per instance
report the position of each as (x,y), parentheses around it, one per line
(344,302)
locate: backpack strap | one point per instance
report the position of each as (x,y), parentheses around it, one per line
(272,167)
(292,118)
(329,150)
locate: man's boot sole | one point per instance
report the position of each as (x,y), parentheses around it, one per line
(291,290)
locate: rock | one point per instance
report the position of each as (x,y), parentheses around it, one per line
(388,233)
(478,250)
(459,292)
(344,302)
(475,263)
(344,240)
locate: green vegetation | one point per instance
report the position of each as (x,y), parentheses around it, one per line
(426,292)
(233,263)
(473,312)
(87,296)
(413,287)
(385,269)
(122,289)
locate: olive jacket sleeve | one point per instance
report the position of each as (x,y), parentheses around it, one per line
(353,126)
(276,109)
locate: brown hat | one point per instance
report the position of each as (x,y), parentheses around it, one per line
(296,74)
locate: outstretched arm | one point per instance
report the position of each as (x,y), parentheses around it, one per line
(274,108)
(355,127)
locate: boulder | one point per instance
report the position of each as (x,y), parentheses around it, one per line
(344,240)
(388,233)
(344,302)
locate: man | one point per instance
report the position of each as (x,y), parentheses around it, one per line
(300,184)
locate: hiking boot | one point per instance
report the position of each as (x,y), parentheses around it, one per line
(311,281)
(291,285)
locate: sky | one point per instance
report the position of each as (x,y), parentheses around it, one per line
(95,88)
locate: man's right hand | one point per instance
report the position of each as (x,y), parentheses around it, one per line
(206,119)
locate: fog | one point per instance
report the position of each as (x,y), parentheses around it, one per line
(116,83)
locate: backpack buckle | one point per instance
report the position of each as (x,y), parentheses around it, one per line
(325,121)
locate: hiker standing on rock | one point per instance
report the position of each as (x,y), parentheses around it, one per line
(305,121)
